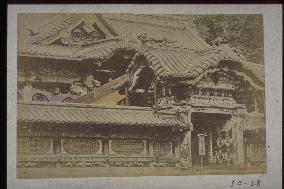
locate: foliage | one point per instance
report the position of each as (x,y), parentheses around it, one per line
(241,32)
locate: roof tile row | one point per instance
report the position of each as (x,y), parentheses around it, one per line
(95,115)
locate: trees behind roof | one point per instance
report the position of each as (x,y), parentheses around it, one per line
(242,32)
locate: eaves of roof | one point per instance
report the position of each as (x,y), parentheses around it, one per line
(166,62)
(92,115)
(100,50)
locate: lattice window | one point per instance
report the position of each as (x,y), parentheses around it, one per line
(81,146)
(32,145)
(127,147)
(161,149)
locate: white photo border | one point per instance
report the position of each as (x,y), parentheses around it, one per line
(272,15)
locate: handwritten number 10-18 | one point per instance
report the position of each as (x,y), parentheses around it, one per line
(240,183)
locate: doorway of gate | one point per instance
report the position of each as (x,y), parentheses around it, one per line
(217,132)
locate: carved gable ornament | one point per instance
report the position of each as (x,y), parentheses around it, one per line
(84,33)
(218,80)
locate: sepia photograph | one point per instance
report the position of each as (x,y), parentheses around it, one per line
(122,94)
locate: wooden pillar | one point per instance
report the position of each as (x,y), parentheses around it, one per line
(27,92)
(151,148)
(57,146)
(210,152)
(151,153)
(177,148)
(186,160)
(50,151)
(62,151)
(105,145)
(57,149)
(237,137)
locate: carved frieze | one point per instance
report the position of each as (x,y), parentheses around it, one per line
(82,164)
(127,147)
(161,149)
(33,164)
(26,145)
(127,164)
(204,100)
(164,164)
(218,80)
(81,145)
(212,110)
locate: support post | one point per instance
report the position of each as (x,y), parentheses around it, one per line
(57,149)
(27,86)
(186,160)
(151,148)
(27,92)
(185,152)
(201,162)
(50,151)
(238,119)
(105,146)
(210,153)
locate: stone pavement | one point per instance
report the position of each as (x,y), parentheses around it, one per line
(81,172)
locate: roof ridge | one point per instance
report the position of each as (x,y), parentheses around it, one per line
(128,19)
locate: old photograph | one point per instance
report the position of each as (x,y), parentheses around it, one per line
(115,94)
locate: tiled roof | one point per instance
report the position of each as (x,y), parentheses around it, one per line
(180,60)
(105,49)
(43,24)
(92,114)
(49,51)
(100,50)
(179,34)
(176,63)
(166,62)
(171,62)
